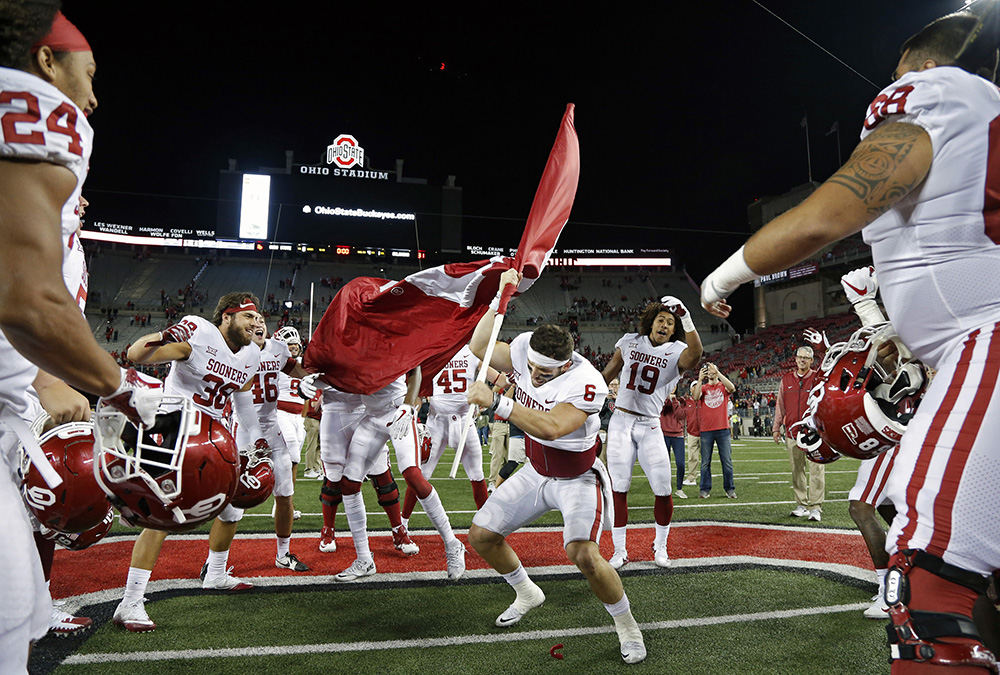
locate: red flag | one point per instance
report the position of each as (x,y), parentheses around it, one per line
(552,204)
(376,330)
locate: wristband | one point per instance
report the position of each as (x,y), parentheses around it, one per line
(868,311)
(726,278)
(495,302)
(504,407)
(687,323)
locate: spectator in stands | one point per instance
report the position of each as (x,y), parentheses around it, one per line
(712,390)
(672,425)
(808,478)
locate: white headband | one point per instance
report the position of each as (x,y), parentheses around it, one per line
(545,361)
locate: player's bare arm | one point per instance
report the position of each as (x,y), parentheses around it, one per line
(614,367)
(62,402)
(691,355)
(561,420)
(884,168)
(484,329)
(37,314)
(149,350)
(413,379)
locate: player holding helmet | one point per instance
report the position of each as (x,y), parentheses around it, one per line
(290,403)
(46,94)
(257,415)
(650,363)
(922,186)
(210,361)
(559,396)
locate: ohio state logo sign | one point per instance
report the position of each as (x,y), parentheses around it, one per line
(345,152)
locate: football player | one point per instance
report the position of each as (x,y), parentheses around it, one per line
(650,362)
(388,412)
(46,94)
(257,425)
(290,403)
(209,362)
(446,419)
(559,395)
(921,186)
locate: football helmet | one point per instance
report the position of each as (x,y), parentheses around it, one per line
(172,476)
(256,479)
(288,335)
(814,447)
(868,391)
(77,503)
(81,540)
(424,442)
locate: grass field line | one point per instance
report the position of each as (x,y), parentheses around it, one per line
(451,641)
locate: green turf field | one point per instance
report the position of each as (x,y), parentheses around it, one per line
(697,619)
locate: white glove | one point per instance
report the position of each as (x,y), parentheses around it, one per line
(677,307)
(401,422)
(138,397)
(307,386)
(816,337)
(860,287)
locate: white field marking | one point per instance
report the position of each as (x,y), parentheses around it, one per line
(773,482)
(569,570)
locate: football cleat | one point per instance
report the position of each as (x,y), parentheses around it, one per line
(521,606)
(661,558)
(225,582)
(401,540)
(327,544)
(454,554)
(132,617)
(800,512)
(619,560)
(878,609)
(633,651)
(290,561)
(64,624)
(359,568)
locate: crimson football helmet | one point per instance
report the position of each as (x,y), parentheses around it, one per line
(81,540)
(814,447)
(256,479)
(863,401)
(172,476)
(78,503)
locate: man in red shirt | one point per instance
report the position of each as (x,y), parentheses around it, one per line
(712,390)
(672,425)
(808,478)
(692,440)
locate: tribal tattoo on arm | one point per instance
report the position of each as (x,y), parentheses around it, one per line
(886,166)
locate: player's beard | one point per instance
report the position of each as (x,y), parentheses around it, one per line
(237,336)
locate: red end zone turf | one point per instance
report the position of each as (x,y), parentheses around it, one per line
(105,565)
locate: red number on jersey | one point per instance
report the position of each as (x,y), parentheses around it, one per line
(883,106)
(649,375)
(589,392)
(268,392)
(10,132)
(67,129)
(216,394)
(452,381)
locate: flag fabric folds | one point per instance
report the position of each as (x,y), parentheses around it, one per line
(376,330)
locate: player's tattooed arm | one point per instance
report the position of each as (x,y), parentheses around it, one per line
(886,166)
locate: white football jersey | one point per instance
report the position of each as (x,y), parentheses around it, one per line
(582,386)
(452,383)
(274,357)
(41,124)
(212,373)
(937,251)
(289,400)
(649,373)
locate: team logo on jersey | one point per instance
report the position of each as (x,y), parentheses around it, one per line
(345,152)
(212,351)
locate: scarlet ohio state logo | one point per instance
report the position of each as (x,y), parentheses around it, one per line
(345,152)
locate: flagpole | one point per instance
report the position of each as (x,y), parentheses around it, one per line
(840,162)
(805,125)
(481,377)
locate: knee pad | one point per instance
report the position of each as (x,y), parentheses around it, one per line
(914,635)
(385,488)
(330,493)
(507,469)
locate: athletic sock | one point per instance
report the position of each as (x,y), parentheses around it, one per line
(660,540)
(625,624)
(135,584)
(618,537)
(357,520)
(217,564)
(283,543)
(435,511)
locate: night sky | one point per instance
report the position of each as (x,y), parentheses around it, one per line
(685,114)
